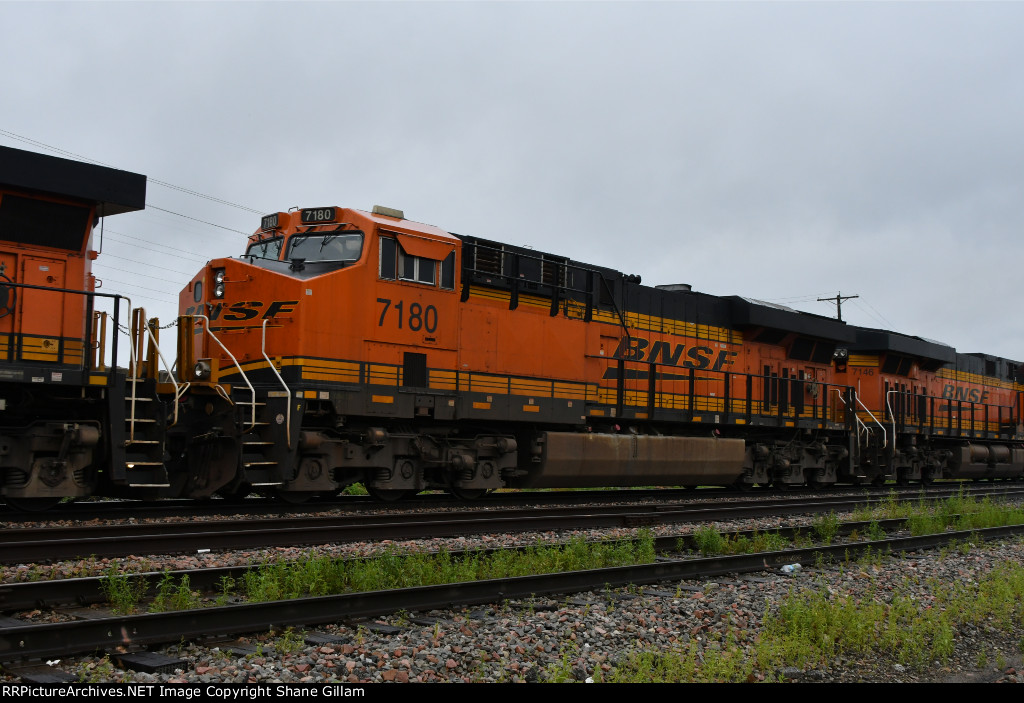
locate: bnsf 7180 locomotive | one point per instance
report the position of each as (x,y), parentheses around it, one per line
(388,352)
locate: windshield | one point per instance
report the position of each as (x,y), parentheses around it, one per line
(326,246)
(267,249)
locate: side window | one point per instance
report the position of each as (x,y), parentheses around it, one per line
(396,264)
(388,258)
(419,269)
(448,272)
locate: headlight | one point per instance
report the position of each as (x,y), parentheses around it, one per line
(201,370)
(218,290)
(218,276)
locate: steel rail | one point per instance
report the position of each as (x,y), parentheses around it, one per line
(137,509)
(30,546)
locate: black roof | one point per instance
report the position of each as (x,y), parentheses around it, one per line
(110,190)
(884,341)
(747,312)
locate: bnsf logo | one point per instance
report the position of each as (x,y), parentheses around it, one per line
(697,357)
(246,310)
(971,395)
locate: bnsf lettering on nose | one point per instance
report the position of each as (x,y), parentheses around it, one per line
(246,310)
(696,357)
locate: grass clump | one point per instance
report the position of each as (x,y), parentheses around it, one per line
(318,576)
(122,591)
(826,527)
(174,596)
(709,541)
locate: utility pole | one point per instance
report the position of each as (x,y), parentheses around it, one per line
(839,303)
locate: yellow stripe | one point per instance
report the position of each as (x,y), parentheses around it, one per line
(481,406)
(382,399)
(531,408)
(651,323)
(522,386)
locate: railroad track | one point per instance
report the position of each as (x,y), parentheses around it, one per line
(256,506)
(119,632)
(35,545)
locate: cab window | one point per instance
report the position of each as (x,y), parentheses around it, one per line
(267,249)
(329,246)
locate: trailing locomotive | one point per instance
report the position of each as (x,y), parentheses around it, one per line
(73,421)
(360,347)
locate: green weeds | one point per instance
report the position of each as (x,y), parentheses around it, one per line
(393,568)
(123,592)
(710,542)
(815,626)
(174,596)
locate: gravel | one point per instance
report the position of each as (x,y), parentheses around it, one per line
(582,635)
(577,637)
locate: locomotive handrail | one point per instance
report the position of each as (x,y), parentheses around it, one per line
(839,392)
(237,366)
(170,373)
(288,407)
(892,415)
(90,294)
(133,374)
(885,440)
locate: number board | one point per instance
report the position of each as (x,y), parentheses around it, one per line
(269,221)
(314,215)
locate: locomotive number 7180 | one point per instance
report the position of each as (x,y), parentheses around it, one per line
(420,318)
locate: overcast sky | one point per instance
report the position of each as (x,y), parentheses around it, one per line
(780,151)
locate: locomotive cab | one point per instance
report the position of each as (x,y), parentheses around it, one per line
(290,318)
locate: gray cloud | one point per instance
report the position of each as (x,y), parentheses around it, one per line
(780,151)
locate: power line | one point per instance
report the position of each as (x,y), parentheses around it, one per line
(172,212)
(146,263)
(177,252)
(169,296)
(105,265)
(165,184)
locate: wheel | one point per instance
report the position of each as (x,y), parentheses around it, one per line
(32,505)
(387,495)
(743,486)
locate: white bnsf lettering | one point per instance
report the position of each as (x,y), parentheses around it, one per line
(669,354)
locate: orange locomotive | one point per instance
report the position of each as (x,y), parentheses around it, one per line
(73,422)
(363,347)
(53,397)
